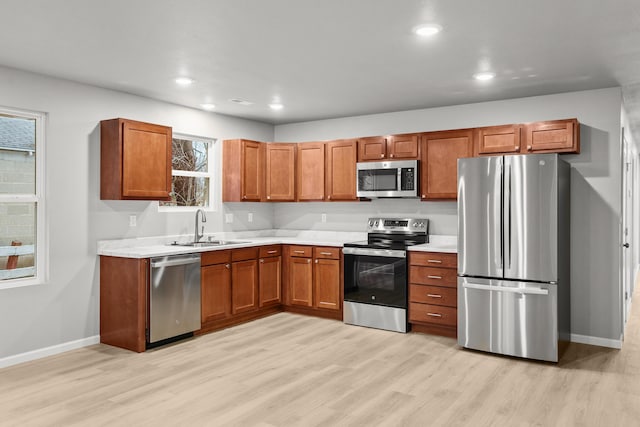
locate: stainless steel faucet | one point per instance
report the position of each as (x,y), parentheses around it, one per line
(197,236)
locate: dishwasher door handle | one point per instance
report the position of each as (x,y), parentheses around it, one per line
(174,262)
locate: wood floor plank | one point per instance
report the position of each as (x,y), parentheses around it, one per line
(294,370)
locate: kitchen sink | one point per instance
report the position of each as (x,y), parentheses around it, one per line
(205,243)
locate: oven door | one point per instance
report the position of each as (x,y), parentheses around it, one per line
(375,276)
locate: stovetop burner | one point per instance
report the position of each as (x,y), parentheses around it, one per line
(394,233)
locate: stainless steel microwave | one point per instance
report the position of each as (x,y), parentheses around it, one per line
(395,178)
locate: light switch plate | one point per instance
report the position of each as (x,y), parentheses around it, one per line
(228,218)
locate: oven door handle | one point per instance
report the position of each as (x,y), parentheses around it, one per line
(390,253)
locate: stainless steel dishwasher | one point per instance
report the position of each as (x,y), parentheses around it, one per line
(174,297)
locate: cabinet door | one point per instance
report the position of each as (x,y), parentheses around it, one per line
(341,170)
(310,171)
(252,161)
(146,161)
(403,147)
(440,154)
(327,283)
(499,139)
(300,281)
(557,136)
(244,289)
(372,148)
(280,171)
(216,292)
(269,273)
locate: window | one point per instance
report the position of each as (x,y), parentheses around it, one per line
(192,174)
(22,207)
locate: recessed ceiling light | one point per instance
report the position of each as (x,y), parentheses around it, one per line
(484,76)
(427,30)
(276,106)
(208,107)
(184,81)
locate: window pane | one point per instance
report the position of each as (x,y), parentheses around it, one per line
(189,155)
(189,191)
(17,240)
(17,159)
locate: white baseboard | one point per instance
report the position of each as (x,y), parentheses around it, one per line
(602,342)
(48,351)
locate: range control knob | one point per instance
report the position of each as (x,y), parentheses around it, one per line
(376,223)
(370,223)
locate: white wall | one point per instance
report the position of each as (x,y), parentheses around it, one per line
(595,198)
(67,307)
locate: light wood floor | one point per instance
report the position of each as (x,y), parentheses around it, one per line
(294,370)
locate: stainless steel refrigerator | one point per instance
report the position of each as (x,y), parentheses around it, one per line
(513,254)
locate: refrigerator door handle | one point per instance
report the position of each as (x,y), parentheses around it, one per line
(524,291)
(507,215)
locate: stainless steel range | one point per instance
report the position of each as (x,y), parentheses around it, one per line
(375,273)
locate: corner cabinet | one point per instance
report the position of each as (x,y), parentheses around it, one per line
(340,178)
(439,165)
(242,171)
(135,160)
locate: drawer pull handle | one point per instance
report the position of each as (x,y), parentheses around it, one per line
(434,295)
(272,252)
(298,252)
(435,261)
(326,253)
(434,314)
(434,277)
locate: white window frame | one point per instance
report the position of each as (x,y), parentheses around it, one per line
(212,163)
(42,227)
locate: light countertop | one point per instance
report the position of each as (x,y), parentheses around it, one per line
(148,247)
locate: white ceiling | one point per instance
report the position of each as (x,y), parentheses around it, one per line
(328,58)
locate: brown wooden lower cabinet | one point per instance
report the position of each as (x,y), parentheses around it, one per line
(215,291)
(270,276)
(314,280)
(433,293)
(244,280)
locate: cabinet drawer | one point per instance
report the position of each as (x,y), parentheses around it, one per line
(328,252)
(436,295)
(433,276)
(301,251)
(215,257)
(269,251)
(436,314)
(244,254)
(434,259)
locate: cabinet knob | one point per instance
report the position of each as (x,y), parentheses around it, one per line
(517,148)
(382,156)
(329,197)
(529,147)
(391,155)
(261,261)
(308,261)
(268,197)
(227,265)
(316,261)
(244,197)
(424,196)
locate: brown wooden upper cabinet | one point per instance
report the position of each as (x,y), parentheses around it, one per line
(310,176)
(242,171)
(340,170)
(439,165)
(376,148)
(135,160)
(494,140)
(555,136)
(280,172)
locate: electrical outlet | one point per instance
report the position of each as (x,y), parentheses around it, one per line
(250,217)
(133,221)
(228,218)
(324,217)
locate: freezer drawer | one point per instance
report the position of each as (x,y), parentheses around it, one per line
(508,317)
